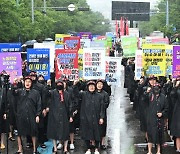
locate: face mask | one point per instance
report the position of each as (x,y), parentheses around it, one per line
(60,87)
(156,90)
(41,81)
(34,81)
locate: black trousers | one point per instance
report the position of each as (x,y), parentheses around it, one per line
(88,144)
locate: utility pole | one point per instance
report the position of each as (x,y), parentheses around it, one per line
(32,9)
(17,2)
(44,11)
(167,13)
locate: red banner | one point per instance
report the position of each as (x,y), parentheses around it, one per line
(66,65)
(71,43)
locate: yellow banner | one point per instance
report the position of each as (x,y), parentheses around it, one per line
(154,59)
(59,38)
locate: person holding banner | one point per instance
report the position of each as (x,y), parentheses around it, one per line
(156,113)
(91,116)
(59,116)
(28,112)
(43,120)
(175,124)
(106,100)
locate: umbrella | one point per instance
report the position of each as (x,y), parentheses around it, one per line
(48,39)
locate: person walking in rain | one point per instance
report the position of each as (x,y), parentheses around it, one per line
(156,113)
(91,116)
(59,116)
(28,111)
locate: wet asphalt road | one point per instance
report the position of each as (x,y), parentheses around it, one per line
(123,130)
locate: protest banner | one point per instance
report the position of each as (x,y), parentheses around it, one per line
(85,43)
(59,40)
(97,44)
(112,70)
(94,63)
(80,62)
(38,61)
(85,35)
(138,64)
(66,65)
(176,61)
(10,47)
(154,60)
(72,43)
(11,64)
(129,45)
(169,57)
(51,47)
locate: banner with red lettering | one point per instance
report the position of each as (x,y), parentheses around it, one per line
(94,63)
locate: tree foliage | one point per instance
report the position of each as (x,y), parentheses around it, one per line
(16,24)
(158,21)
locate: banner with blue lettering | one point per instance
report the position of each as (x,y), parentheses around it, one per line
(10,47)
(66,65)
(38,61)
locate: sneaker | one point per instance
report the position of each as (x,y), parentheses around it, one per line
(2,147)
(59,147)
(43,146)
(29,145)
(88,152)
(96,152)
(72,147)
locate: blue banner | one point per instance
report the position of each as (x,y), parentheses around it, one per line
(10,47)
(38,61)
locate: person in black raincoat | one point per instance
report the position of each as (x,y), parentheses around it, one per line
(39,85)
(28,111)
(106,100)
(3,116)
(143,105)
(91,116)
(175,124)
(130,79)
(59,116)
(156,113)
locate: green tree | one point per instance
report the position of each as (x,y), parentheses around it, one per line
(158,21)
(16,25)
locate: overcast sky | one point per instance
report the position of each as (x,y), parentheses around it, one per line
(104,6)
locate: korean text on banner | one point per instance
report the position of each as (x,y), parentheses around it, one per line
(176,61)
(38,61)
(94,63)
(154,60)
(85,43)
(112,70)
(66,65)
(138,64)
(85,35)
(169,57)
(10,47)
(71,44)
(51,47)
(59,40)
(129,45)
(11,64)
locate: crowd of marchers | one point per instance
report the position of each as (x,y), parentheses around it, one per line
(156,102)
(39,111)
